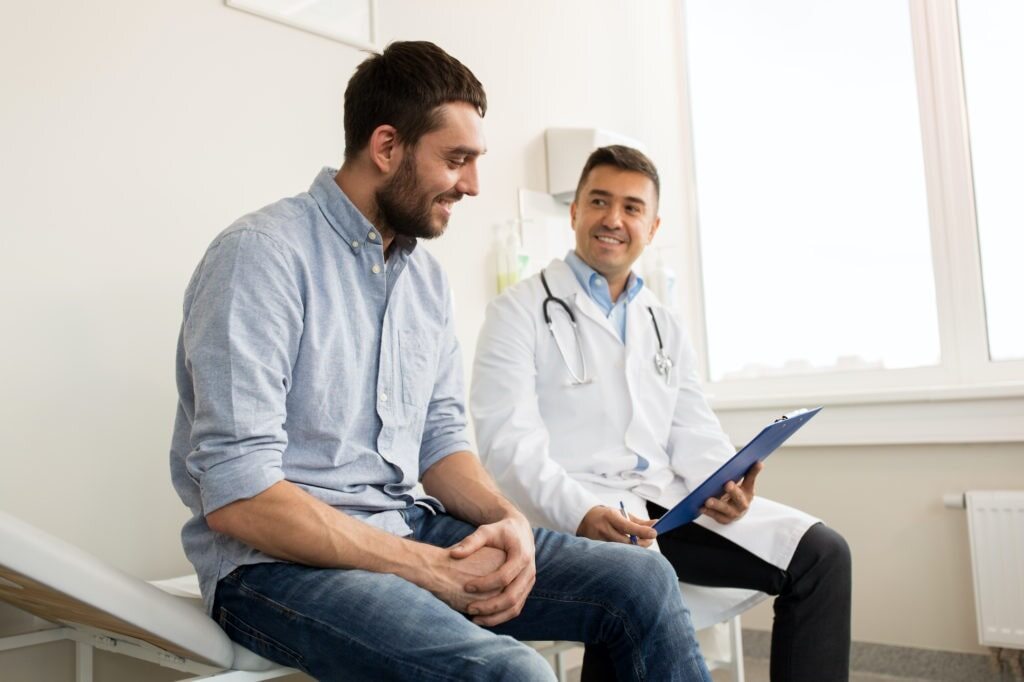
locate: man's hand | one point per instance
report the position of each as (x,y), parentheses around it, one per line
(736,500)
(449,576)
(501,592)
(605,523)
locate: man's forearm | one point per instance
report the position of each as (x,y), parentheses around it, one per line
(287,523)
(467,490)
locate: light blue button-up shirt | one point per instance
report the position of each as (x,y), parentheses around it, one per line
(596,286)
(304,356)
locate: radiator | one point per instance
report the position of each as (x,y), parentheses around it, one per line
(995,523)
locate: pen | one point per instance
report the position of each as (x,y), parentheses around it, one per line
(622,508)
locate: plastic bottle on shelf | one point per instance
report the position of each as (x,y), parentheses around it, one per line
(513,261)
(663,281)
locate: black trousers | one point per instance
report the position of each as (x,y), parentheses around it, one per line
(811,631)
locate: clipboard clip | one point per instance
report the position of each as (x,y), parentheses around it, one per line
(790,415)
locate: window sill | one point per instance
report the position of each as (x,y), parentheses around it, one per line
(977,414)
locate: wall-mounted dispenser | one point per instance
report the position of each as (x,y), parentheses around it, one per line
(567,151)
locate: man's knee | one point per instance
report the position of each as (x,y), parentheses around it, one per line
(644,578)
(517,663)
(662,574)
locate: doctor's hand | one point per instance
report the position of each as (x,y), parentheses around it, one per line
(609,525)
(736,500)
(504,590)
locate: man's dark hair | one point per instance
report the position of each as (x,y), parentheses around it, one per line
(625,158)
(403,87)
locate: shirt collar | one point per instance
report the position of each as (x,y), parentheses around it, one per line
(351,225)
(596,285)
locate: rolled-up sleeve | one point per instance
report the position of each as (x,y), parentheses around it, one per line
(243,323)
(444,431)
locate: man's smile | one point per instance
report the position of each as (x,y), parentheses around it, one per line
(446,202)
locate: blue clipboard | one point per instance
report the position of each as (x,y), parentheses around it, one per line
(763,444)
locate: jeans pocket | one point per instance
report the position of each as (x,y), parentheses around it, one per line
(257,641)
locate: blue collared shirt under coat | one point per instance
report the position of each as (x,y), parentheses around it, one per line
(304,356)
(596,287)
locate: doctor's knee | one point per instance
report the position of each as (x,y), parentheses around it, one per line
(825,552)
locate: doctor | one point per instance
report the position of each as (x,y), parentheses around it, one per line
(585,394)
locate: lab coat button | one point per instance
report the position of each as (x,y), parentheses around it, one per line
(383,397)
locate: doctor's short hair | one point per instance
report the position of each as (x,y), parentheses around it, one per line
(403,87)
(624,158)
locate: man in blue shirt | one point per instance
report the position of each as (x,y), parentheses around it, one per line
(319,380)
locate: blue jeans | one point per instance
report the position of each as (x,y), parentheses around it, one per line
(351,624)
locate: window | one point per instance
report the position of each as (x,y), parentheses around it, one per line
(993,58)
(813,213)
(849,251)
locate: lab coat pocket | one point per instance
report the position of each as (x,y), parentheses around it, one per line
(418,360)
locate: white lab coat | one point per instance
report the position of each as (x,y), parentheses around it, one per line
(558,449)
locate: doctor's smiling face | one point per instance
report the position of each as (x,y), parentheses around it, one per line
(615,216)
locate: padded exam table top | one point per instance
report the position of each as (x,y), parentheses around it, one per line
(59,582)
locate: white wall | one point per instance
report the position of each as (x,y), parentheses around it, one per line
(911,560)
(607,64)
(133,132)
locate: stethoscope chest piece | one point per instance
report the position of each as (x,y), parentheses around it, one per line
(663,363)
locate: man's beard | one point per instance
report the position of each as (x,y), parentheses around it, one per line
(402,206)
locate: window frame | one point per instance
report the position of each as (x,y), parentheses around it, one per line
(967,397)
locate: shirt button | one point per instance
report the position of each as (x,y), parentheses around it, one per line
(355,243)
(372,236)
(376,269)
(383,397)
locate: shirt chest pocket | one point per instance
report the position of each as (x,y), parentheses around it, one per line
(418,362)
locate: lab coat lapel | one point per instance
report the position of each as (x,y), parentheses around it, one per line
(640,335)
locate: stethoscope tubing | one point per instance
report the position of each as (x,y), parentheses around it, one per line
(577,379)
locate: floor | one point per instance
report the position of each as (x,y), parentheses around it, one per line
(757,671)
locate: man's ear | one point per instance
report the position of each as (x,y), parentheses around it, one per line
(654,228)
(572,216)
(383,148)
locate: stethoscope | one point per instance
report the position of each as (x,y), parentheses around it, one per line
(662,362)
